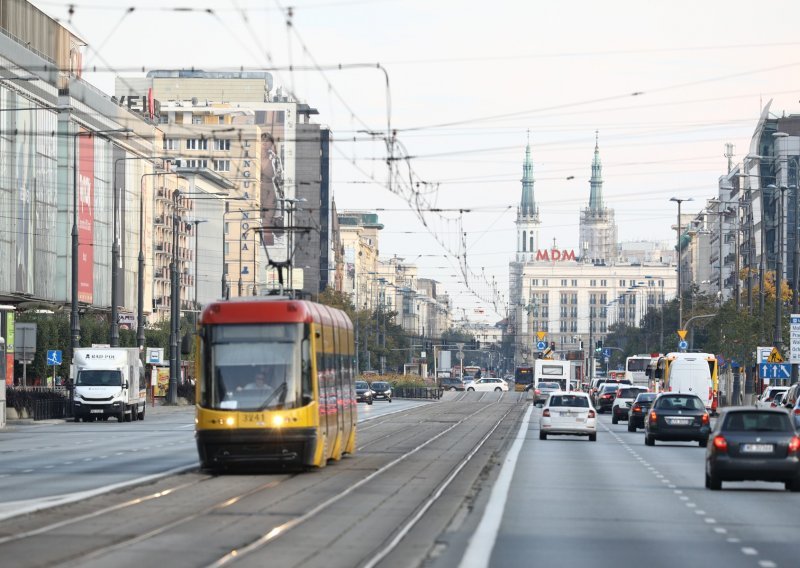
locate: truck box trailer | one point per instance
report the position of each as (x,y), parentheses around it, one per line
(108,381)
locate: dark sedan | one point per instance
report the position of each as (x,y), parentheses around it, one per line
(605,397)
(753,444)
(677,417)
(639,410)
(363,392)
(452,384)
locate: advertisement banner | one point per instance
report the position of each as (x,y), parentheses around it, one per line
(9,335)
(86,219)
(162,381)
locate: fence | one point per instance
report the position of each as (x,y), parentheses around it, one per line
(417,392)
(39,403)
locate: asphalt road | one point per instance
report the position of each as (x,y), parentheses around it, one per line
(618,502)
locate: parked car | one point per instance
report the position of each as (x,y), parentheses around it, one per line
(604,397)
(791,396)
(543,390)
(677,417)
(777,402)
(623,402)
(452,384)
(795,412)
(568,413)
(363,392)
(381,390)
(488,384)
(639,410)
(753,444)
(766,398)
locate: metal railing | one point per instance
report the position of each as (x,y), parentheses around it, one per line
(39,403)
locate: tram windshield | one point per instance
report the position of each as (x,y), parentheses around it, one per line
(254,367)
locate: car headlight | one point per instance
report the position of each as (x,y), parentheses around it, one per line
(374,392)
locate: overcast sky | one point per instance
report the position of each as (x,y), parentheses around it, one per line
(667,84)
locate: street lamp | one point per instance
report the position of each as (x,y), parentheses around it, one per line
(679,201)
(114,328)
(778,336)
(75,325)
(196,222)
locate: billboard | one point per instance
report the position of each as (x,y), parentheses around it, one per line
(86,219)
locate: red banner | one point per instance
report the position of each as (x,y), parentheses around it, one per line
(86,219)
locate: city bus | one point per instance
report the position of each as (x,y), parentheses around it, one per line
(639,370)
(523,378)
(275,383)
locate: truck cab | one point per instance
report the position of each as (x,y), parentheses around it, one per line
(108,382)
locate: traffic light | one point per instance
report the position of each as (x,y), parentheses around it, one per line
(598,346)
(552,346)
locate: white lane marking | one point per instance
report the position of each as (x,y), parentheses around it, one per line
(684,497)
(665,481)
(711,521)
(691,505)
(733,539)
(49,466)
(68,463)
(27,471)
(767,564)
(672,486)
(700,512)
(678,492)
(720,530)
(481,544)
(749,551)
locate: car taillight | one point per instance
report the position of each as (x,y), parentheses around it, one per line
(721,444)
(704,419)
(794,445)
(592,414)
(653,417)
(546,412)
(538,391)
(605,396)
(797,411)
(637,408)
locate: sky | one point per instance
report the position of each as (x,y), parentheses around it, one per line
(666,84)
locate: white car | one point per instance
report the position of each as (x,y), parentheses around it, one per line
(766,398)
(487,384)
(623,402)
(569,413)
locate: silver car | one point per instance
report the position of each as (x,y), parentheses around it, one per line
(542,390)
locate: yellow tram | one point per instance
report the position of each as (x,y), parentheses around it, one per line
(275,383)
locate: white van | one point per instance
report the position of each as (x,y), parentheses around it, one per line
(690,375)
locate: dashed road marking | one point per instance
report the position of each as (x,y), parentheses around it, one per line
(711,521)
(749,551)
(767,564)
(733,539)
(720,530)
(27,471)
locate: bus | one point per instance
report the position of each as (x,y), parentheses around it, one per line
(275,383)
(639,370)
(551,371)
(690,372)
(523,378)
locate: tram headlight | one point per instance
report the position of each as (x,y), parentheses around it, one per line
(229,421)
(277,420)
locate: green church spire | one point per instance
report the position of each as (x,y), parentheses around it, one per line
(596,183)
(527,206)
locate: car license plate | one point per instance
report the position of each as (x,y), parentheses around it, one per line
(98,411)
(757,448)
(680,421)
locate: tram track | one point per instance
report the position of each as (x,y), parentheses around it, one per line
(414,422)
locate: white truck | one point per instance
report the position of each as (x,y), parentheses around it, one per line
(108,381)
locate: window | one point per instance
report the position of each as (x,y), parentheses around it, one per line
(197,119)
(221,119)
(564,283)
(222,144)
(222,165)
(534,282)
(524,240)
(196,144)
(621,283)
(592,283)
(593,299)
(604,283)
(171,144)
(196,163)
(544,283)
(661,283)
(562,326)
(574,283)
(227,248)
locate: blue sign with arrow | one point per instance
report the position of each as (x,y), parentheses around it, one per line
(541,346)
(606,352)
(53,357)
(775,370)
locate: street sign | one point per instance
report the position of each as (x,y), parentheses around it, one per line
(605,360)
(155,355)
(606,353)
(683,345)
(775,356)
(541,346)
(53,357)
(794,338)
(763,353)
(540,335)
(775,370)
(682,333)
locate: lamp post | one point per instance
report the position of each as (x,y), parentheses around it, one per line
(75,325)
(196,222)
(778,334)
(679,201)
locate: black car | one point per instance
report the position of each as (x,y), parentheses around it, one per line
(677,417)
(363,392)
(604,397)
(452,384)
(753,444)
(381,391)
(639,410)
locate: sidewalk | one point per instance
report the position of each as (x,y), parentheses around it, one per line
(159,409)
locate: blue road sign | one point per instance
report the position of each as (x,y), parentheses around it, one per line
(682,344)
(53,357)
(606,352)
(541,346)
(775,370)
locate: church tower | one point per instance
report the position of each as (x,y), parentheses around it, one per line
(598,230)
(527,213)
